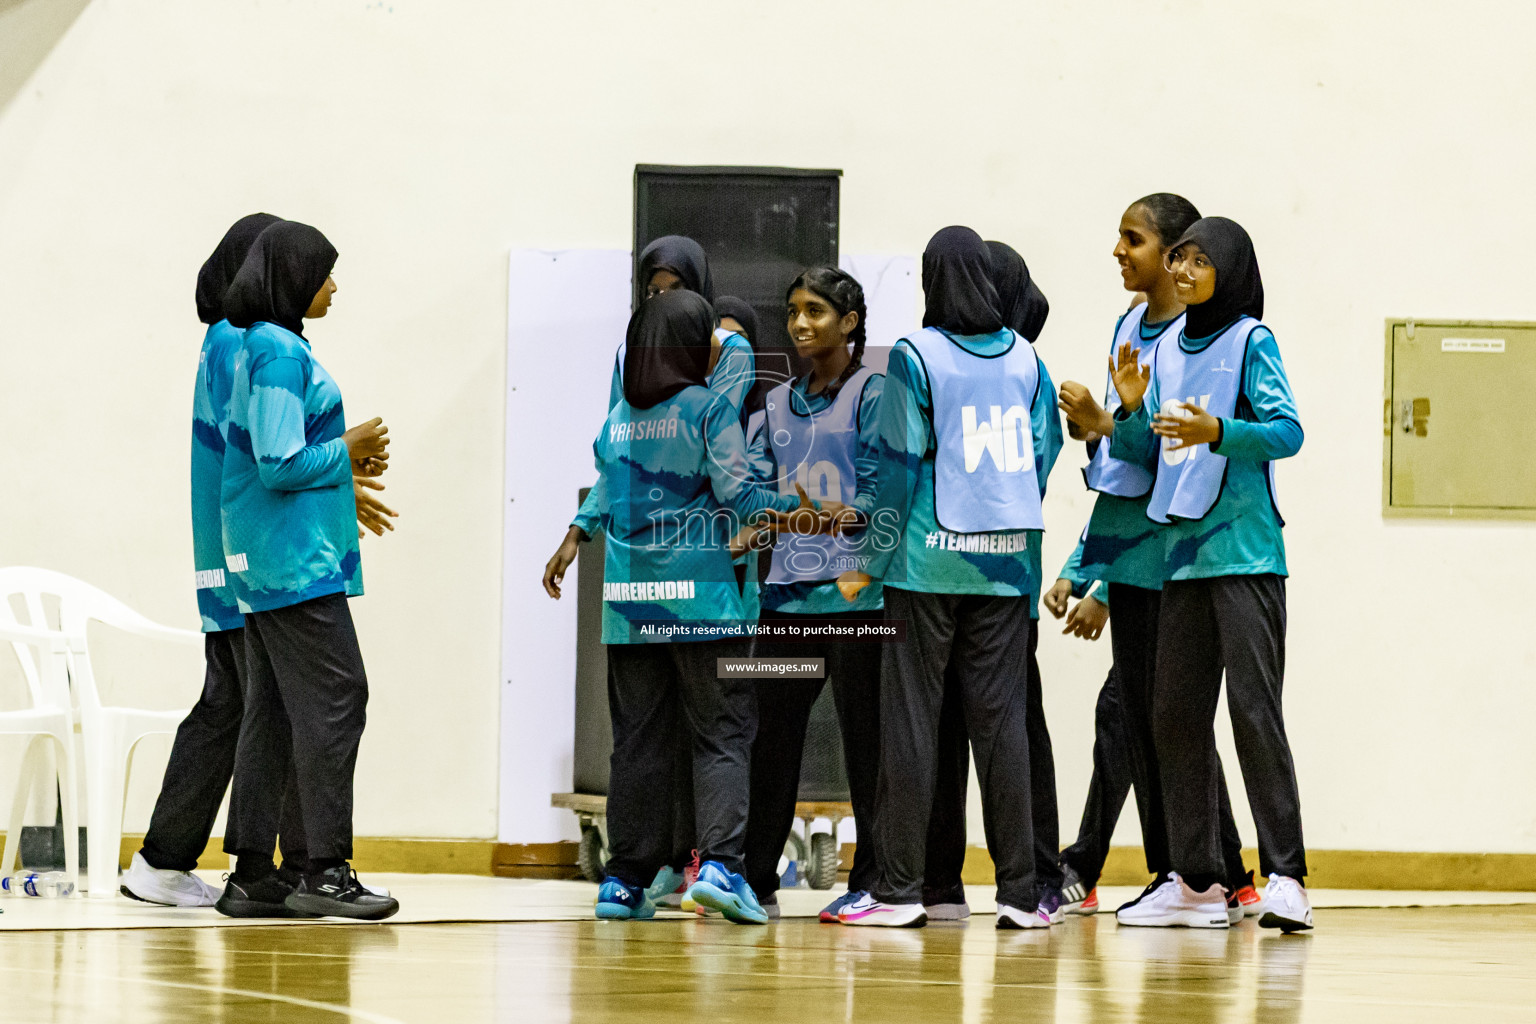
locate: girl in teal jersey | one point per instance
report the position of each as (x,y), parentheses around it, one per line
(968,435)
(290,539)
(1225,413)
(673,487)
(823,429)
(1125,551)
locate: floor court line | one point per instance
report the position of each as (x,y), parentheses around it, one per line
(271,997)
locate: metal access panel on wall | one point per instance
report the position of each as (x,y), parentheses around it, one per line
(1454,436)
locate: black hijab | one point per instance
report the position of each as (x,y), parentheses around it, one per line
(738,310)
(220,268)
(684,257)
(667,347)
(280,276)
(957,284)
(1239,289)
(1019,299)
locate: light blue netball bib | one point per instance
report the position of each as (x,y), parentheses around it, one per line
(984,458)
(1189,480)
(1113,476)
(816,450)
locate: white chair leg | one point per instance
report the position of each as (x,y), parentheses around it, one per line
(24,781)
(105,762)
(69,807)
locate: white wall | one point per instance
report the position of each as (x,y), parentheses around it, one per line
(1380,154)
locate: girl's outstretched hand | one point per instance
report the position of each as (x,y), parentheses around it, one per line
(371,512)
(1085,416)
(1189,425)
(1087,619)
(565,554)
(1130,377)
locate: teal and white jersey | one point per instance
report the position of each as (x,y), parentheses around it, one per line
(821,597)
(1241,534)
(912,551)
(673,489)
(210,403)
(290,520)
(733,376)
(1122,545)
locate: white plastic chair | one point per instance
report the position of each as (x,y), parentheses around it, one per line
(42,655)
(109,733)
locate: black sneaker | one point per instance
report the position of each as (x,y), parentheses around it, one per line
(264,898)
(336,892)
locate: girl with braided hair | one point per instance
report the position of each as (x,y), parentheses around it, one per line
(821,431)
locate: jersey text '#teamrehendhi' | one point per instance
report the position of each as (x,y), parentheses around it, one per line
(652,590)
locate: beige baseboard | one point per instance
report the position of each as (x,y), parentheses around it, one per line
(1340,869)
(1330,869)
(414,856)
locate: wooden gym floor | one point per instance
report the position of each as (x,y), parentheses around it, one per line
(1473,963)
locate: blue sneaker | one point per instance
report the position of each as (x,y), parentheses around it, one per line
(668,882)
(619,902)
(719,889)
(829,912)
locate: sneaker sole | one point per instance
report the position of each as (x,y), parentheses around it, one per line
(1285,924)
(729,904)
(163,903)
(942,912)
(251,908)
(619,912)
(319,906)
(1177,919)
(1008,923)
(883,921)
(1082,910)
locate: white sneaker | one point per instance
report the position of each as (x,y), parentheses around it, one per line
(165,887)
(870,912)
(1286,905)
(948,911)
(1175,905)
(1012,917)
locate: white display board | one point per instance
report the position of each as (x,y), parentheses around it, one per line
(891,296)
(566,315)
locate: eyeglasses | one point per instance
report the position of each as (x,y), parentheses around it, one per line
(1178,260)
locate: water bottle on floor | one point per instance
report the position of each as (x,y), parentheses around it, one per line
(48,885)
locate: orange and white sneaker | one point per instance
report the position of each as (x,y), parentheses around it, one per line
(1090,904)
(1249,899)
